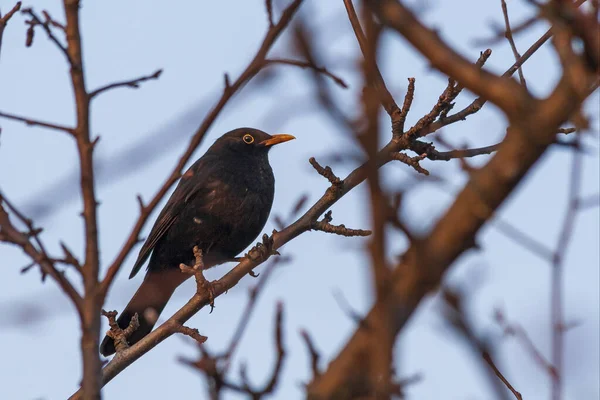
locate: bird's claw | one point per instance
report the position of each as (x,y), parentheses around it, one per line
(209,287)
(202,284)
(263,250)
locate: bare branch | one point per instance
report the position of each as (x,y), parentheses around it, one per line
(325,225)
(132,83)
(4,19)
(326,172)
(509,36)
(35,122)
(10,234)
(191,332)
(35,21)
(375,79)
(307,64)
(313,354)
(412,161)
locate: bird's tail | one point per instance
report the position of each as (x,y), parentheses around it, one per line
(148,302)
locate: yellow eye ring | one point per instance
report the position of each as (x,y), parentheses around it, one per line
(248,139)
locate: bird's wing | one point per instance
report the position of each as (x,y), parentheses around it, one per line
(195,180)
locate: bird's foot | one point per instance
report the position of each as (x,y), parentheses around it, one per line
(263,250)
(202,284)
(116,333)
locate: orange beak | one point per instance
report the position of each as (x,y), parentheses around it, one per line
(276,139)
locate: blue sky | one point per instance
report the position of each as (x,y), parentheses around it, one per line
(195,43)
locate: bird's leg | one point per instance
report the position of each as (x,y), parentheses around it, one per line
(202,284)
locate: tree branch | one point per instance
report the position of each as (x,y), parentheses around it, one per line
(35,122)
(131,83)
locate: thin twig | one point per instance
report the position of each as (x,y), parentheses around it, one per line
(509,36)
(325,172)
(132,83)
(35,122)
(307,64)
(412,161)
(4,19)
(313,354)
(325,225)
(35,21)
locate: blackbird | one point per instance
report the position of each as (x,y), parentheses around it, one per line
(221,204)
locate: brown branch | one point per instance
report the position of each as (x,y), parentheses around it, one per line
(251,70)
(412,161)
(521,335)
(253,296)
(310,65)
(326,172)
(549,114)
(408,99)
(92,302)
(132,83)
(35,122)
(444,103)
(277,368)
(509,36)
(208,364)
(35,21)
(325,225)
(313,354)
(424,264)
(455,316)
(9,233)
(488,359)
(479,102)
(191,332)
(4,19)
(375,78)
(504,93)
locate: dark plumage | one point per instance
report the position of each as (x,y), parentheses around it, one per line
(221,204)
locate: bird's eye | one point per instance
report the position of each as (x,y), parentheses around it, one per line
(248,139)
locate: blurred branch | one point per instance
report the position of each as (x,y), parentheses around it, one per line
(479,102)
(425,262)
(208,364)
(509,36)
(313,354)
(455,315)
(521,335)
(557,264)
(307,64)
(374,77)
(503,92)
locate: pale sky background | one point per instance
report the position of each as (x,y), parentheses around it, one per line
(195,43)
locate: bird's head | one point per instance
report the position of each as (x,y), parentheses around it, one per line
(248,141)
